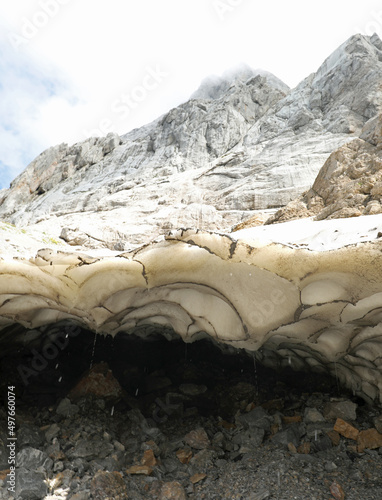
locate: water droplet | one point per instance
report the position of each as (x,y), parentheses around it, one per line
(60,379)
(56,366)
(112,411)
(136,392)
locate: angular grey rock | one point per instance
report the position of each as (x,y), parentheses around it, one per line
(340,409)
(291,434)
(31,459)
(90,449)
(66,408)
(30,485)
(312,416)
(322,443)
(52,432)
(29,435)
(202,460)
(249,439)
(258,417)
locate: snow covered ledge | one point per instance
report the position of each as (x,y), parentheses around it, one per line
(302,294)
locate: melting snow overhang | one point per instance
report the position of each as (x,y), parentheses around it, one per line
(306,294)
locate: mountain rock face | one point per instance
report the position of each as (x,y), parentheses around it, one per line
(348,185)
(238,146)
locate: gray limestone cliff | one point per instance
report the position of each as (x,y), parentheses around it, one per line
(239,145)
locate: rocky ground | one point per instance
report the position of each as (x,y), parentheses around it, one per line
(188,421)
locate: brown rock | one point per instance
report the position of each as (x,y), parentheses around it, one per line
(184,456)
(4,473)
(254,220)
(370,439)
(273,405)
(337,491)
(345,429)
(292,448)
(292,420)
(99,381)
(149,458)
(172,491)
(143,470)
(196,478)
(304,448)
(197,439)
(108,486)
(227,425)
(335,437)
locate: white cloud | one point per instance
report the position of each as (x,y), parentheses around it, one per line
(83,56)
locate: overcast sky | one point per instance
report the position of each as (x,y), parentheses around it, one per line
(70,69)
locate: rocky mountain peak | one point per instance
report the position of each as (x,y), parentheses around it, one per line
(244,142)
(214,87)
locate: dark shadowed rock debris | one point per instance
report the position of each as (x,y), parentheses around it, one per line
(66,408)
(258,417)
(99,381)
(292,434)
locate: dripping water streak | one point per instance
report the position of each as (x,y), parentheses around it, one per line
(256,377)
(338,385)
(93,350)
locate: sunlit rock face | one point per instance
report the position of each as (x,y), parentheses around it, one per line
(348,185)
(244,142)
(303,294)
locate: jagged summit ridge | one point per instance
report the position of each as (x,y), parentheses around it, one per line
(208,163)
